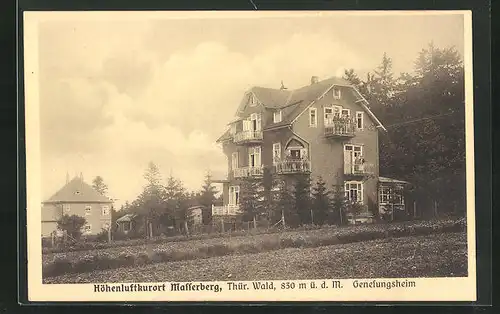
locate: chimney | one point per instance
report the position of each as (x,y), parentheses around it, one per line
(81,176)
(314,80)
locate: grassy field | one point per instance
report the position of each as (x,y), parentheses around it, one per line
(310,238)
(440,255)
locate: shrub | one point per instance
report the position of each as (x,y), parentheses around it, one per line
(142,259)
(58,267)
(72,225)
(86,264)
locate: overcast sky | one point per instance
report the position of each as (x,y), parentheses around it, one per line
(115,95)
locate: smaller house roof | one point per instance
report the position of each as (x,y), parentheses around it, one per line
(126,218)
(77,191)
(390,180)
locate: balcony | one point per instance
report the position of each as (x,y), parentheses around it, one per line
(248,137)
(339,128)
(359,168)
(248,172)
(225,210)
(293,166)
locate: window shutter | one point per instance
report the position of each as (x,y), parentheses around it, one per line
(257,157)
(347,161)
(246,125)
(259,122)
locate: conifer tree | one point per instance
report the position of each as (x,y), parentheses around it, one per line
(320,202)
(302,198)
(249,199)
(338,205)
(207,199)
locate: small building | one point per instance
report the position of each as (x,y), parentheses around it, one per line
(126,223)
(77,197)
(195,215)
(391,198)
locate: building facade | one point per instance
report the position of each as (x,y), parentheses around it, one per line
(323,129)
(77,198)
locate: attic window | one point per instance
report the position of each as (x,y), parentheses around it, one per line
(252,101)
(277,116)
(336,93)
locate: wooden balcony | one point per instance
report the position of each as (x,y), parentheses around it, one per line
(359,168)
(340,128)
(293,166)
(248,137)
(225,210)
(248,172)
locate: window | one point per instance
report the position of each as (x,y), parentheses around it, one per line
(391,195)
(105,210)
(67,208)
(254,156)
(346,113)
(336,93)
(313,117)
(88,210)
(277,116)
(276,152)
(87,228)
(252,101)
(359,120)
(353,158)
(126,226)
(336,111)
(234,195)
(354,191)
(255,122)
(234,160)
(328,115)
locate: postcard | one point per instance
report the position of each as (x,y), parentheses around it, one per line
(249,156)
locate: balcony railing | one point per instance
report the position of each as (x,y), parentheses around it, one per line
(340,127)
(225,210)
(248,137)
(245,172)
(292,166)
(359,167)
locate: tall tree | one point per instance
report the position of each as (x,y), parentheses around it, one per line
(320,202)
(99,185)
(302,198)
(207,198)
(250,202)
(268,195)
(285,207)
(338,203)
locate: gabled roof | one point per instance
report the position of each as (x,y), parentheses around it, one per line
(77,191)
(294,102)
(126,218)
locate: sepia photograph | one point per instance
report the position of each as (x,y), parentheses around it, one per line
(250,155)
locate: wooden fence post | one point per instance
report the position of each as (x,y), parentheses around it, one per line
(283,219)
(222,223)
(414,209)
(435,209)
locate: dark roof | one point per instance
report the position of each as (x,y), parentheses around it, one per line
(224,137)
(390,180)
(126,217)
(77,191)
(270,97)
(293,102)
